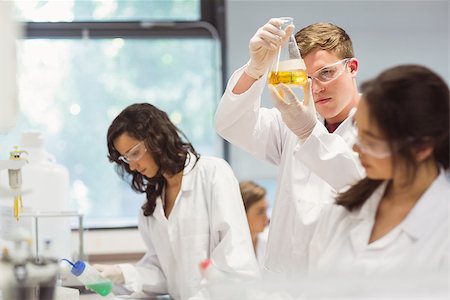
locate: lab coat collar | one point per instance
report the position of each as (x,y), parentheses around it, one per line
(430,210)
(339,130)
(365,216)
(346,123)
(187,183)
(369,208)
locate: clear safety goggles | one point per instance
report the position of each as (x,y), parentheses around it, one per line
(371,146)
(134,154)
(330,72)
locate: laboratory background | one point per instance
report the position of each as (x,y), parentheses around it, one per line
(80,62)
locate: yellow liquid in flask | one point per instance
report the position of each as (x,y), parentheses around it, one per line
(294,77)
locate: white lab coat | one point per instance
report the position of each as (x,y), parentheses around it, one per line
(261,245)
(309,171)
(207,221)
(419,243)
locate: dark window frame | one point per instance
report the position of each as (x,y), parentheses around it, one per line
(212,14)
(211,25)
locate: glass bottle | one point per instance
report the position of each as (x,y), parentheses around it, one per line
(288,66)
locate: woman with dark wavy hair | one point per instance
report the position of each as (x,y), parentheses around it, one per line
(397,217)
(193,210)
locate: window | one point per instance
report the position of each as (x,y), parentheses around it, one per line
(76,76)
(107,10)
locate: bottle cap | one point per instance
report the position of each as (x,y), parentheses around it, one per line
(78,268)
(204,264)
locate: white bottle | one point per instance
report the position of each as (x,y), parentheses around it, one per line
(48,186)
(9,33)
(91,278)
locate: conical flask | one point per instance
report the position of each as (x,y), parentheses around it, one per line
(288,66)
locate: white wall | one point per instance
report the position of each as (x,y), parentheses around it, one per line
(384,34)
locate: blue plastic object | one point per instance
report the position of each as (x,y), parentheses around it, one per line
(78,268)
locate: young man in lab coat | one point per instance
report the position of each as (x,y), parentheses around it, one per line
(313,153)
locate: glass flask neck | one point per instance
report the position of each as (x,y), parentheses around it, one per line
(286,22)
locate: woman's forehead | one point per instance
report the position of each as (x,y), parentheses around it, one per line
(124,142)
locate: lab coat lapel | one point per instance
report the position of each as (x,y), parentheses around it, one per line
(187,183)
(344,129)
(431,209)
(365,218)
(189,171)
(159,210)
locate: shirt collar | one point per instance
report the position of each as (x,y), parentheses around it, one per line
(430,210)
(346,120)
(369,208)
(187,183)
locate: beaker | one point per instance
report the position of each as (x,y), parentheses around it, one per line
(288,66)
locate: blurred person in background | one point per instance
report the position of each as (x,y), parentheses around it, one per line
(255,203)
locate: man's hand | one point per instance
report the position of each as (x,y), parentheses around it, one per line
(264,46)
(299,117)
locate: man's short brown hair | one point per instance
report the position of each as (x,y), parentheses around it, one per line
(325,36)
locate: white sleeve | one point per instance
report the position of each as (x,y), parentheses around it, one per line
(321,234)
(146,277)
(232,250)
(330,157)
(261,246)
(240,120)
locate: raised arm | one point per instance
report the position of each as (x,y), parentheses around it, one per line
(263,47)
(329,156)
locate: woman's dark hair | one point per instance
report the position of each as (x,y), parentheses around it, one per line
(410,106)
(166,143)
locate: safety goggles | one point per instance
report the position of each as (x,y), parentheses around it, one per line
(134,154)
(330,72)
(371,146)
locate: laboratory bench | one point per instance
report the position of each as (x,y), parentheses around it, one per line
(93,296)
